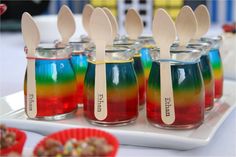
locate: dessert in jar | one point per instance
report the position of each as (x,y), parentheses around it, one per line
(138,66)
(216,63)
(147,44)
(207,73)
(188,90)
(122,87)
(55,82)
(79,64)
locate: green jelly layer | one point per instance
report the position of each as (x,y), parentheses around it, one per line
(138,66)
(79,63)
(184,77)
(118,75)
(54,71)
(205,67)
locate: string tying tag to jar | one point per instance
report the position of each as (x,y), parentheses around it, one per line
(137,55)
(149,46)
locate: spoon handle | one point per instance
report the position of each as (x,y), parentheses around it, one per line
(167,98)
(100,98)
(31,89)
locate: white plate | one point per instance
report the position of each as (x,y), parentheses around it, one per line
(140,133)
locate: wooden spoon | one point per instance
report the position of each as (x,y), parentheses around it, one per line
(186,25)
(113,23)
(31,38)
(203,21)
(65,24)
(101,34)
(164,34)
(133,24)
(87,12)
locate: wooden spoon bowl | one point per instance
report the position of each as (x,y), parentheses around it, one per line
(133,24)
(186,25)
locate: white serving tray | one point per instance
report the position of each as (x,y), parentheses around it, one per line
(140,133)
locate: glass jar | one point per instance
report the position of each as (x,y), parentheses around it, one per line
(216,63)
(207,73)
(188,90)
(138,67)
(147,44)
(79,64)
(122,88)
(205,67)
(55,83)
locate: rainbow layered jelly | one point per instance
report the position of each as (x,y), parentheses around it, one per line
(208,79)
(146,61)
(188,91)
(55,83)
(79,64)
(138,67)
(207,73)
(122,90)
(216,63)
(147,44)
(217,66)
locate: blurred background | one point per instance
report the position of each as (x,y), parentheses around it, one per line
(222,11)
(44,12)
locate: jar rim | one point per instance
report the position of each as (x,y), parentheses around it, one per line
(115,53)
(178,54)
(79,47)
(147,41)
(110,61)
(215,41)
(145,37)
(179,49)
(177,62)
(50,46)
(78,42)
(215,38)
(112,48)
(50,51)
(204,47)
(128,42)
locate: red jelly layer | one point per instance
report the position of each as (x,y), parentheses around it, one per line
(209,99)
(117,111)
(55,105)
(185,115)
(142,94)
(218,88)
(79,93)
